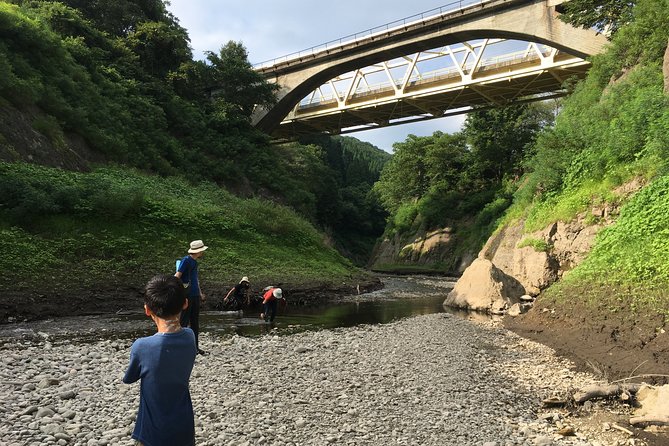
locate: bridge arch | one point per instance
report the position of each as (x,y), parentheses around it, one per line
(525,20)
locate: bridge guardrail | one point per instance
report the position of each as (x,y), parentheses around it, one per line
(351,38)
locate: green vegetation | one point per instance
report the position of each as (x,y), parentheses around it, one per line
(464,181)
(537,244)
(115,226)
(612,130)
(627,267)
(604,15)
(329,180)
(508,165)
(121,76)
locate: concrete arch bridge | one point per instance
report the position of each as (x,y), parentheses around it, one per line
(447,61)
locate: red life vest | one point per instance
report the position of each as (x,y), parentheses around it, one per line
(269,295)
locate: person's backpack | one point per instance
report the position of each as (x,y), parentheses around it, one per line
(178,265)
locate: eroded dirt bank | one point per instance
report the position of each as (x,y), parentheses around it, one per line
(612,345)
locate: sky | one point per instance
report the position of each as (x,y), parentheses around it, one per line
(271,29)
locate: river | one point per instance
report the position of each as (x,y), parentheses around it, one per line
(401,297)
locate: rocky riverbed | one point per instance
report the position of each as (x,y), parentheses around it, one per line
(428,380)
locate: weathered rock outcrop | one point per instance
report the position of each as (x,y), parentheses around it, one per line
(20,141)
(535,260)
(429,249)
(484,287)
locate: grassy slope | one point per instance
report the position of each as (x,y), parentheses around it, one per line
(607,134)
(116,227)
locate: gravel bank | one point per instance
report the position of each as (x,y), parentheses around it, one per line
(428,380)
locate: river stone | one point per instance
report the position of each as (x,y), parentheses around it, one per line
(51,429)
(44,412)
(47,382)
(67,395)
(30,410)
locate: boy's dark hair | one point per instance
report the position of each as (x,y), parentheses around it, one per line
(165,295)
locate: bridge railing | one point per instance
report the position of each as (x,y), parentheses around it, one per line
(397,24)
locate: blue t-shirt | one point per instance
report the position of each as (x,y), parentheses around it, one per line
(164,363)
(188,270)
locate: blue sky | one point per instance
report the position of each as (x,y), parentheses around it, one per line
(273,29)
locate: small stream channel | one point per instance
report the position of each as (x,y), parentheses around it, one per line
(401,297)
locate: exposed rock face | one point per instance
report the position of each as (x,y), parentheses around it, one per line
(568,244)
(558,248)
(20,141)
(484,287)
(429,249)
(654,403)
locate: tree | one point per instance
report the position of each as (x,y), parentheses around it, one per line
(161,47)
(234,81)
(121,17)
(603,15)
(500,137)
(404,177)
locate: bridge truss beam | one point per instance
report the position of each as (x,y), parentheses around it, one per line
(300,74)
(436,83)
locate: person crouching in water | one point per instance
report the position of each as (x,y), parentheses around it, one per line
(163,362)
(270,302)
(240,294)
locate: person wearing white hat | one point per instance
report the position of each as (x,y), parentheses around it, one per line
(270,301)
(188,273)
(240,294)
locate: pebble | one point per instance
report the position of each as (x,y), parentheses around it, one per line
(428,380)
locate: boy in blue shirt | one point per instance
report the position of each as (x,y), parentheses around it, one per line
(163,362)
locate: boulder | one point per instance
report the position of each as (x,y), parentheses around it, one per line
(484,287)
(519,308)
(654,405)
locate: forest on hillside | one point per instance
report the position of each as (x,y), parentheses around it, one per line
(121,75)
(539,164)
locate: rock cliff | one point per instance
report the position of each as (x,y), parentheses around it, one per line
(435,250)
(514,263)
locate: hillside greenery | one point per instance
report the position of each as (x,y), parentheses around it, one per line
(464,180)
(121,75)
(114,226)
(519,164)
(612,130)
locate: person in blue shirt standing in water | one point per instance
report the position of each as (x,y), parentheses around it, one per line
(188,274)
(163,362)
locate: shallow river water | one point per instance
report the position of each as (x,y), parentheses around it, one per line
(402,296)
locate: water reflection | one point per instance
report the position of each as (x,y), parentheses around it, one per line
(401,297)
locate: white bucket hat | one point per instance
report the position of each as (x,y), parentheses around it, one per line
(244,279)
(196,246)
(277,293)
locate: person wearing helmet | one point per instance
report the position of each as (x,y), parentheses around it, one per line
(240,294)
(269,303)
